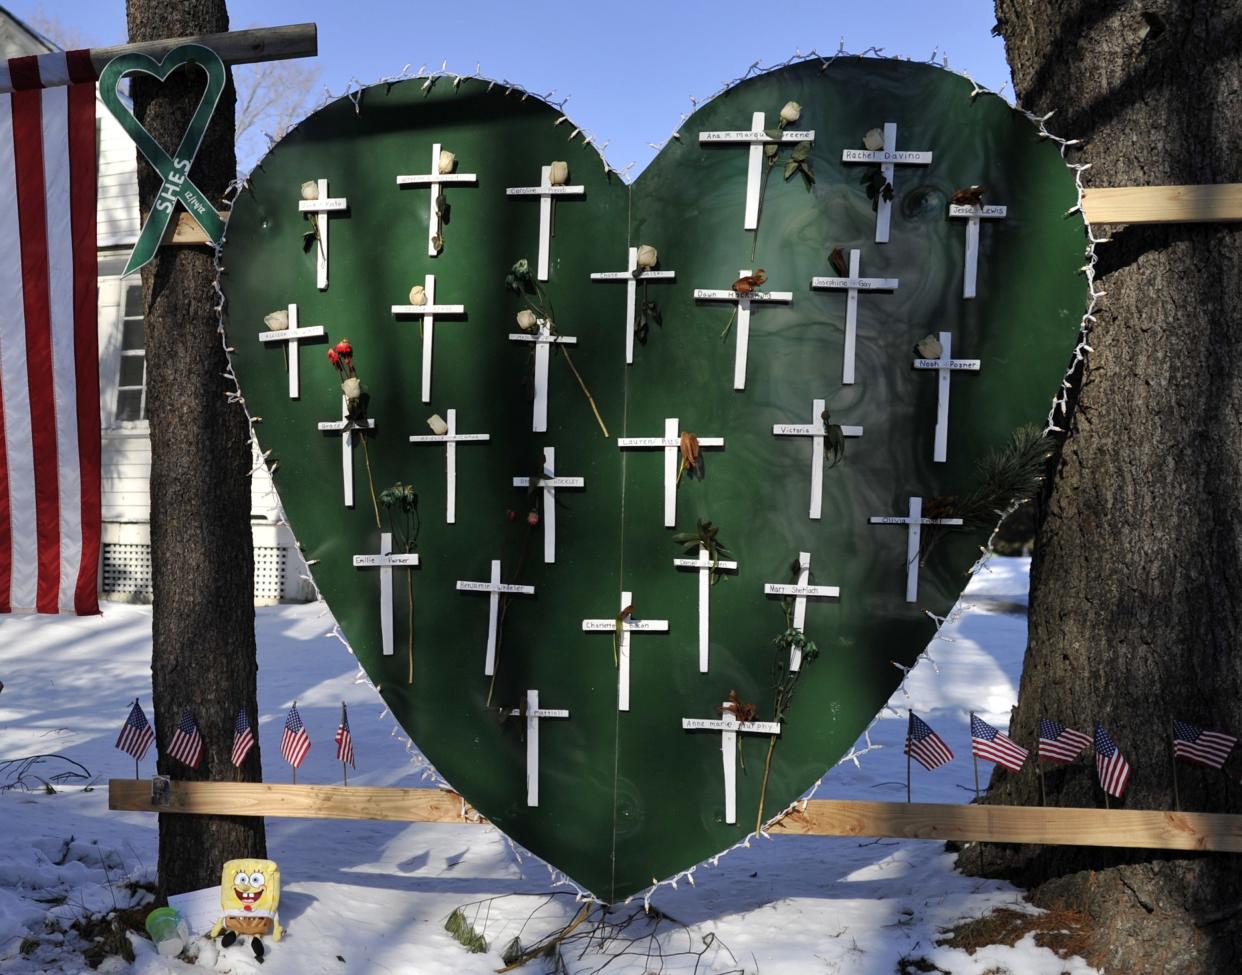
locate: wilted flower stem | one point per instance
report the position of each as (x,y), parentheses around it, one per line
(366,455)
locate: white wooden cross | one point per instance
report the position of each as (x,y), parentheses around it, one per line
(887,157)
(631,294)
(705,566)
(853,284)
(817,430)
(428,313)
(385,561)
(671,442)
(346,427)
(544,340)
(729,728)
(756,138)
(915,522)
(493,588)
(450,438)
(743,318)
(321,207)
(293,335)
(545,191)
(972,215)
(435,180)
(627,626)
(944,365)
(533,712)
(801,591)
(549,482)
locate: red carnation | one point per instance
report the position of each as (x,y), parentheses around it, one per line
(333,357)
(344,348)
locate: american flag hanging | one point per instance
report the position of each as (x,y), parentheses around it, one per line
(1110,764)
(243,738)
(136,734)
(925,746)
(344,740)
(1193,744)
(1058,743)
(995,746)
(187,743)
(49,348)
(295,742)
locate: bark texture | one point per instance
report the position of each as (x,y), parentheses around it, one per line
(203,653)
(1136,586)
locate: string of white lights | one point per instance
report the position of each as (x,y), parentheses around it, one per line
(355,92)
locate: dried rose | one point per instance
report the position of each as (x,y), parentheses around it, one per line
(511,515)
(437,424)
(352,388)
(418,295)
(647,257)
(558,173)
(874,139)
(277,321)
(791,113)
(310,190)
(447,162)
(334,357)
(344,348)
(527,321)
(532,519)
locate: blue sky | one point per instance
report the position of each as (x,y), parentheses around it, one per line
(630,68)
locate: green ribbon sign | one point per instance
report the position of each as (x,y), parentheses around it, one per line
(174,169)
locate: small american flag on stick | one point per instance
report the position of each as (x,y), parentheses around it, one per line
(295,742)
(925,746)
(136,734)
(995,746)
(187,743)
(1193,744)
(1110,764)
(344,740)
(243,737)
(1058,743)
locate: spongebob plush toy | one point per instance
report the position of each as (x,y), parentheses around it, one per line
(249,896)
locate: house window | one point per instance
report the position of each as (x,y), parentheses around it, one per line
(131,390)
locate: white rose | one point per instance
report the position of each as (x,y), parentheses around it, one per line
(874,140)
(352,388)
(558,174)
(277,321)
(437,424)
(447,162)
(310,190)
(647,257)
(527,321)
(791,112)
(418,295)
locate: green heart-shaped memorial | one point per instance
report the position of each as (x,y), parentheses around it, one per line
(624,788)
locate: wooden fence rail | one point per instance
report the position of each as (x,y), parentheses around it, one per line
(1052,825)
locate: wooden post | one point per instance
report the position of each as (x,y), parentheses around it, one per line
(1177,799)
(909,729)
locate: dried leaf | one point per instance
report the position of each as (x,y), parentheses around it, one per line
(739,709)
(690,453)
(972,196)
(791,167)
(801,152)
(839,262)
(748,283)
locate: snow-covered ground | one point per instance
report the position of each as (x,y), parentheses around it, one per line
(362,897)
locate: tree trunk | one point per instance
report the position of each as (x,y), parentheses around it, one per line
(1135,615)
(203,652)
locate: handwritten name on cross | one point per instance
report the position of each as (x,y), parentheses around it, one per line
(293,335)
(321,207)
(915,522)
(945,366)
(435,181)
(756,139)
(743,301)
(671,443)
(385,561)
(729,728)
(549,482)
(631,277)
(817,430)
(802,590)
(545,191)
(626,627)
(450,438)
(705,566)
(544,340)
(533,712)
(428,313)
(346,427)
(852,285)
(887,157)
(493,589)
(972,216)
